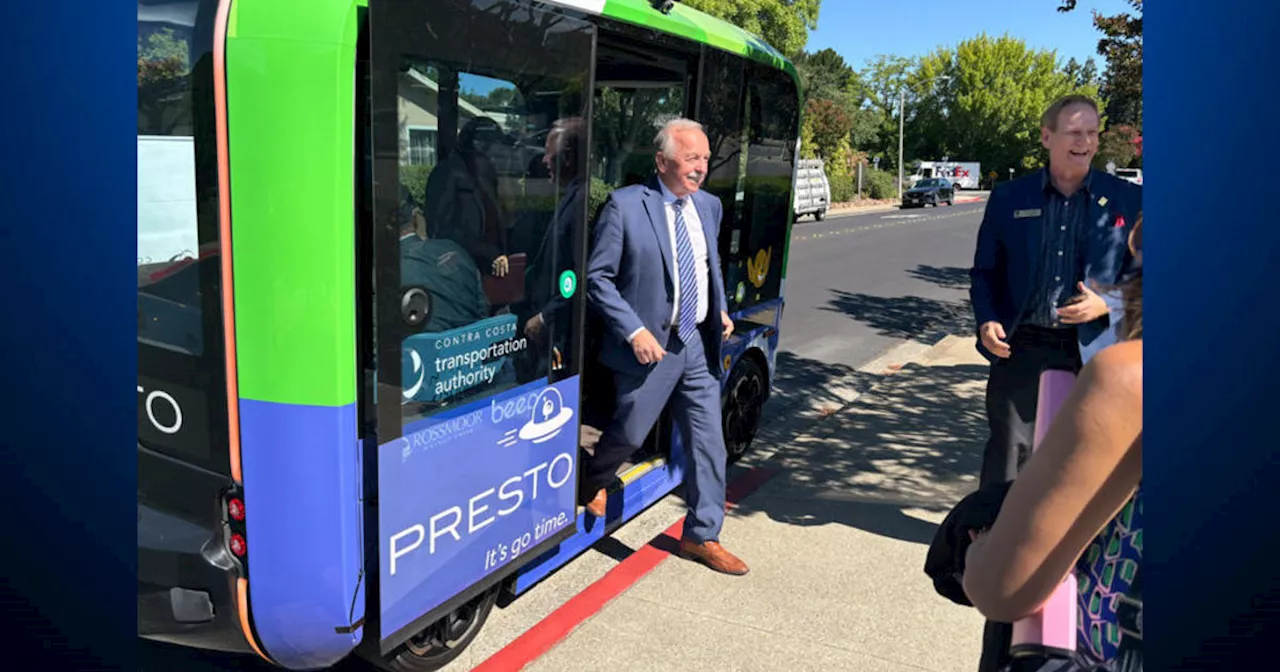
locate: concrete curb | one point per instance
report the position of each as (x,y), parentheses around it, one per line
(856,210)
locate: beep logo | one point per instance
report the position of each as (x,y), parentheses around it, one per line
(547,416)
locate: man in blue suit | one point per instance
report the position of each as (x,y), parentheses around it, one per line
(654,279)
(1051,249)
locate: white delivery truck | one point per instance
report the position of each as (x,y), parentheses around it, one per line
(963,174)
(813,191)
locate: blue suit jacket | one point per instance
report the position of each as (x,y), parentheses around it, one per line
(629,273)
(1007,262)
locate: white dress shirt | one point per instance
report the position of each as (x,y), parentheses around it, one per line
(698,241)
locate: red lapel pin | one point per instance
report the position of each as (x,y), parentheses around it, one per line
(1119,221)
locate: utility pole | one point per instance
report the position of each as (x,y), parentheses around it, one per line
(902,104)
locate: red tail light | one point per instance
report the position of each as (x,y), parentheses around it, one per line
(238,546)
(235,509)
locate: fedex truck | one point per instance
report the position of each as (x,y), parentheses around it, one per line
(964,174)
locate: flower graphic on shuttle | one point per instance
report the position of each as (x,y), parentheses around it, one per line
(549,416)
(758,267)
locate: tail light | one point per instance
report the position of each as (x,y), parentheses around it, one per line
(235,510)
(233,526)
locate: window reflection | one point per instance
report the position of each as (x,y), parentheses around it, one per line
(490,220)
(168,232)
(754,273)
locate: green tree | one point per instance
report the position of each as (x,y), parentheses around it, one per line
(883,79)
(826,75)
(785,24)
(989,108)
(1121,45)
(830,126)
(1120,144)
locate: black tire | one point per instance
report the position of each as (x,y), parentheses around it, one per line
(744,398)
(443,641)
(820,215)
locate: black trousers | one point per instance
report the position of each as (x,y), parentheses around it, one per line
(1013,388)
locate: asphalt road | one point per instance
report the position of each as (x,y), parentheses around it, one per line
(858,285)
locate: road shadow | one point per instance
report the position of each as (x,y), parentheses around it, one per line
(903,317)
(949,277)
(912,442)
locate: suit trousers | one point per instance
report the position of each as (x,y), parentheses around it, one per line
(682,377)
(1013,389)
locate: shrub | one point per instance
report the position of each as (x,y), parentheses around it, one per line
(879,184)
(844,187)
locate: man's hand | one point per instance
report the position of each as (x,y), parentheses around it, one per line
(646,348)
(1086,308)
(533,328)
(728,324)
(500,266)
(993,339)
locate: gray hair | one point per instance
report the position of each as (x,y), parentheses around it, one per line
(566,131)
(664,141)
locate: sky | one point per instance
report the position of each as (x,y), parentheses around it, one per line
(859,30)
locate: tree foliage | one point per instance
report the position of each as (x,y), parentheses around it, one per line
(989,109)
(163,69)
(1120,144)
(785,24)
(1121,45)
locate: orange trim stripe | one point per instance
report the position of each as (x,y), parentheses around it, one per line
(228,286)
(224,228)
(242,595)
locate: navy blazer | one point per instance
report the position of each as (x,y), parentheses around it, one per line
(629,273)
(1006,264)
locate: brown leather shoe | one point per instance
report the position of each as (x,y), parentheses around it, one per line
(714,556)
(596,506)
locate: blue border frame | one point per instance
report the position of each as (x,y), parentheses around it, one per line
(1212,251)
(67,242)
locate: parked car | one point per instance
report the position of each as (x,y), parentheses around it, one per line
(930,191)
(813,191)
(1133,175)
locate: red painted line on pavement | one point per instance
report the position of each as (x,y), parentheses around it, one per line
(563,621)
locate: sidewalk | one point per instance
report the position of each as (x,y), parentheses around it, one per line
(836,541)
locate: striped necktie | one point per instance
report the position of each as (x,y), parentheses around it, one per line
(688,325)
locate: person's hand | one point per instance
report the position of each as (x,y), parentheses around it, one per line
(419,223)
(993,339)
(1086,308)
(533,328)
(646,348)
(728,324)
(500,266)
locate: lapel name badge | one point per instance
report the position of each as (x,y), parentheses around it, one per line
(1022,214)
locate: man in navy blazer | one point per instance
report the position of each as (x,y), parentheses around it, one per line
(654,279)
(1051,249)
